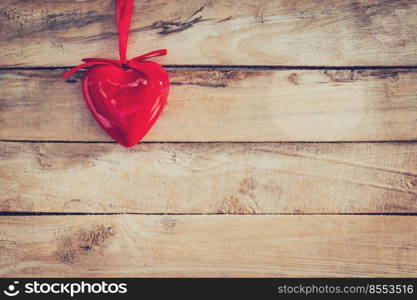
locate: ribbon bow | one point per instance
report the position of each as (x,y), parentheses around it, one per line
(124,10)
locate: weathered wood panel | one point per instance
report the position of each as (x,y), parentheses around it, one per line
(302,32)
(237,178)
(189,246)
(228,105)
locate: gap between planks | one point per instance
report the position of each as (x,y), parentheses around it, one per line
(230,67)
(25,214)
(211,142)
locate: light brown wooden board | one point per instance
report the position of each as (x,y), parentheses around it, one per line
(227,105)
(254,181)
(190,246)
(209,178)
(230,32)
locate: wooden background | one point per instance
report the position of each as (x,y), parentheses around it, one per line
(288,147)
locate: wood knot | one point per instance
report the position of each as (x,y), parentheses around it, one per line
(242,201)
(168,224)
(340,75)
(73,244)
(293,78)
(232,205)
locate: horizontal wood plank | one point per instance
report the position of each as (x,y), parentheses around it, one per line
(230,32)
(233,178)
(228,105)
(210,246)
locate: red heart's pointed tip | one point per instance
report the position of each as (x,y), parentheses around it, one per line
(127,143)
(128,139)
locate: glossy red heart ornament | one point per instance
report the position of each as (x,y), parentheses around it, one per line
(126,102)
(125,97)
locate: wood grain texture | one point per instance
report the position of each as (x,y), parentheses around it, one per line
(228,208)
(210,246)
(209,178)
(228,105)
(230,32)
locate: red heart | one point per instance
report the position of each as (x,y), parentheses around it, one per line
(126,102)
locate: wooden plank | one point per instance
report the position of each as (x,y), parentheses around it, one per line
(209,246)
(302,32)
(212,178)
(228,105)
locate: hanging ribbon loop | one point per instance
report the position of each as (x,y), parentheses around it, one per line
(124,9)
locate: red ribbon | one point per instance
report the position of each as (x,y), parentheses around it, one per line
(124,10)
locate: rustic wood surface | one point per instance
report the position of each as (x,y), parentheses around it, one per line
(288,146)
(210,178)
(190,246)
(228,105)
(228,32)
